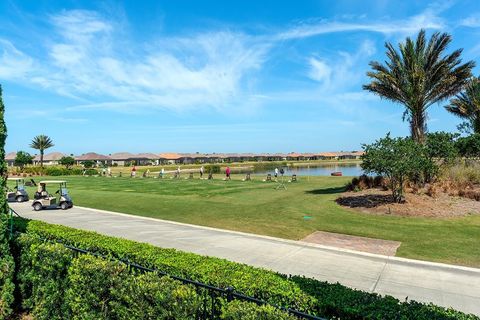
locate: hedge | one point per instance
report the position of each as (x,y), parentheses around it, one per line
(56,284)
(58,171)
(304,294)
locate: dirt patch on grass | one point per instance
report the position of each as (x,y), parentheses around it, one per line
(378,201)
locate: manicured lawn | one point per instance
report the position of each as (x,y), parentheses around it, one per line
(257,207)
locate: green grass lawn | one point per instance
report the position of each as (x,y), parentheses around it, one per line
(257,207)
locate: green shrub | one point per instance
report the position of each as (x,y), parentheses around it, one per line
(60,171)
(400,160)
(250,311)
(469,146)
(303,294)
(93,286)
(7,265)
(213,168)
(266,166)
(55,285)
(42,277)
(149,296)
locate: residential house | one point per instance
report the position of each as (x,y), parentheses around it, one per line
(99,159)
(10,158)
(49,159)
(169,158)
(121,158)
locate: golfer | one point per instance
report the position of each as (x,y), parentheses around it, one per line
(134,172)
(276,172)
(201,172)
(227,173)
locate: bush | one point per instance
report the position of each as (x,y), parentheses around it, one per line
(441,146)
(304,294)
(67,161)
(42,277)
(250,311)
(7,264)
(400,160)
(469,147)
(212,168)
(22,159)
(59,171)
(55,285)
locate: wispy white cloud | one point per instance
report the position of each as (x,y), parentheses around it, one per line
(426,20)
(88,61)
(13,63)
(86,58)
(472,21)
(334,73)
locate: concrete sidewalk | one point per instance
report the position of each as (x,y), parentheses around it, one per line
(445,285)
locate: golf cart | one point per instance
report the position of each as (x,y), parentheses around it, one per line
(44,200)
(18,194)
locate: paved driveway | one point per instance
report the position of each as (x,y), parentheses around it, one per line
(445,285)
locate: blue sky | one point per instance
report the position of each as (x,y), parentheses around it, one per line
(211,76)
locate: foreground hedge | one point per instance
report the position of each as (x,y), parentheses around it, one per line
(304,294)
(55,284)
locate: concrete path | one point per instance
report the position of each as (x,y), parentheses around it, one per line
(445,285)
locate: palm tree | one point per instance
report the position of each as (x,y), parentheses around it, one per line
(419,75)
(41,142)
(466,104)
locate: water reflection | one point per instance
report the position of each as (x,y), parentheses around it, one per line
(347,169)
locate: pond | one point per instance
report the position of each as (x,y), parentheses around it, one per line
(347,169)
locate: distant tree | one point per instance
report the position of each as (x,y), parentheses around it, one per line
(7,264)
(469,147)
(399,160)
(67,161)
(22,159)
(419,75)
(466,105)
(88,163)
(41,143)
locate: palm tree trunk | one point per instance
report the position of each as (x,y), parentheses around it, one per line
(418,126)
(41,159)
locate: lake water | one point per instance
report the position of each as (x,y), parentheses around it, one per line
(352,169)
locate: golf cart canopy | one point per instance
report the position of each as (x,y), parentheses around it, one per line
(52,182)
(15,179)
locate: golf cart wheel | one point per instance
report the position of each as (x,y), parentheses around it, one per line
(64,206)
(20,199)
(37,206)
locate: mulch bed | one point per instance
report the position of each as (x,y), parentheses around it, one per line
(378,201)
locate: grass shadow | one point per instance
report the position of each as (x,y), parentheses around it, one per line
(327,190)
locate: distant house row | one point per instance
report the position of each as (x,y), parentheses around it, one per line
(122,158)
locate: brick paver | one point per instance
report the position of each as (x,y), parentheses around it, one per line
(378,246)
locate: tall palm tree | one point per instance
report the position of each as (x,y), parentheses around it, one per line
(466,104)
(418,75)
(41,143)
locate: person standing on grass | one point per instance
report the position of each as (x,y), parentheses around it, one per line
(276,172)
(178,172)
(134,172)
(227,173)
(201,172)
(162,172)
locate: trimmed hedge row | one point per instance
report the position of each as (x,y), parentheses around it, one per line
(57,171)
(55,284)
(304,294)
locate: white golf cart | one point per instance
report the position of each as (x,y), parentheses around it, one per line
(44,200)
(18,193)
